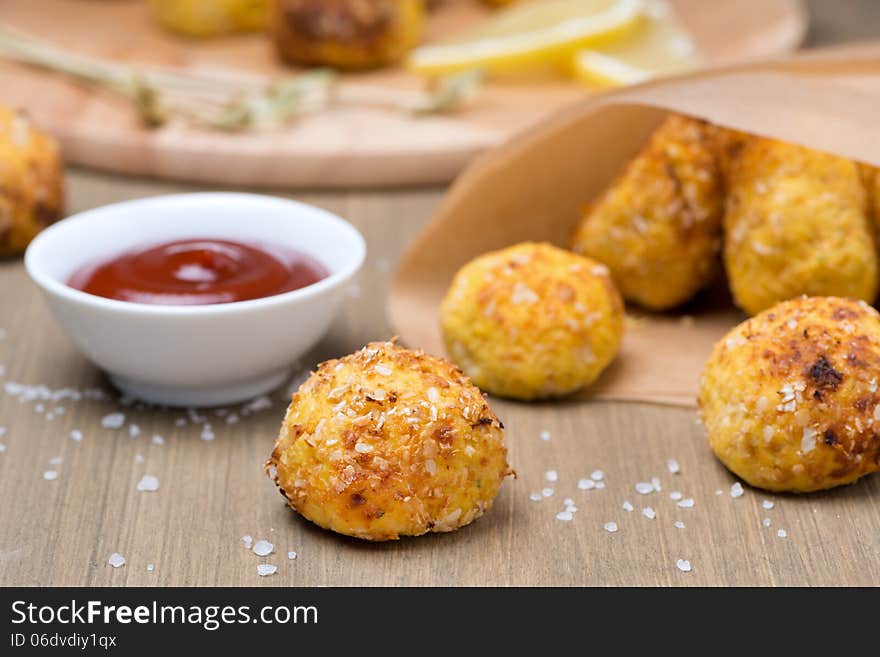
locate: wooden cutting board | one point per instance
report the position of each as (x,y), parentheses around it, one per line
(336,148)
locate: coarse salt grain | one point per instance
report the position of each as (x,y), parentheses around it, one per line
(600,485)
(148,484)
(766,522)
(736,490)
(673,466)
(675,495)
(649,513)
(266,569)
(678,524)
(263,548)
(586,484)
(718,491)
(568,501)
(291,555)
(158,440)
(683,565)
(610,527)
(2,448)
(113,421)
(545,435)
(655,482)
(138,458)
(781,533)
(767,504)
(134,430)
(150,567)
(76,435)
(644,488)
(50,475)
(116,560)
(57,460)
(564,516)
(597,475)
(248,541)
(627,506)
(551,476)
(686,503)
(547,492)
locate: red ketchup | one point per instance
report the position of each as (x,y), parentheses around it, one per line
(198,272)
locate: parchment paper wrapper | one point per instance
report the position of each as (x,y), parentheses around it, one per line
(533,188)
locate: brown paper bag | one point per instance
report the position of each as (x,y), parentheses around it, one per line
(533,188)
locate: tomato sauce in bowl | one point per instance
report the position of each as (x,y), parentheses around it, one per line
(199,271)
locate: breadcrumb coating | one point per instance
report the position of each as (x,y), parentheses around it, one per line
(789,398)
(389,442)
(658,227)
(532,321)
(795,223)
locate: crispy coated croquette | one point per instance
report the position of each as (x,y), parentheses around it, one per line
(790,398)
(795,223)
(532,321)
(345,34)
(658,227)
(31,182)
(388,442)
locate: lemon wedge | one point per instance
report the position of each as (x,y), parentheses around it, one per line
(658,45)
(532,33)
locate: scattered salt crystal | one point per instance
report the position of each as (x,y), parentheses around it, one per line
(675,495)
(263,548)
(116,560)
(673,466)
(180,422)
(718,491)
(767,504)
(536,497)
(547,492)
(736,490)
(766,522)
(158,440)
(2,431)
(597,475)
(627,506)
(2,448)
(76,435)
(291,555)
(649,513)
(683,565)
(551,476)
(600,485)
(50,475)
(113,421)
(568,501)
(207,433)
(148,484)
(655,483)
(611,527)
(781,533)
(39,408)
(138,458)
(55,460)
(644,488)
(265,569)
(586,484)
(150,567)
(134,431)
(258,404)
(678,524)
(565,516)
(545,435)
(686,503)
(248,541)
(232,418)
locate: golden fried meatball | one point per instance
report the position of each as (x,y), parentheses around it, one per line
(31,182)
(790,397)
(794,224)
(658,227)
(871,180)
(532,321)
(389,442)
(204,18)
(345,34)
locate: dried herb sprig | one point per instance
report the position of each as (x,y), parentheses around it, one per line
(226,100)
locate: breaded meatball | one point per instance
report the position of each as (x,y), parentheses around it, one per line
(205,18)
(795,223)
(790,397)
(871,180)
(532,321)
(345,34)
(31,182)
(658,227)
(388,442)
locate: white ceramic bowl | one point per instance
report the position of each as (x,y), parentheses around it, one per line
(195,355)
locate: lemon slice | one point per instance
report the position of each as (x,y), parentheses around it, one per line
(532,33)
(659,45)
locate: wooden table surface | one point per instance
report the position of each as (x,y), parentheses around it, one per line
(211,493)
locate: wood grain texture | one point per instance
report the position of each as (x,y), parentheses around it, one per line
(63,531)
(352,145)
